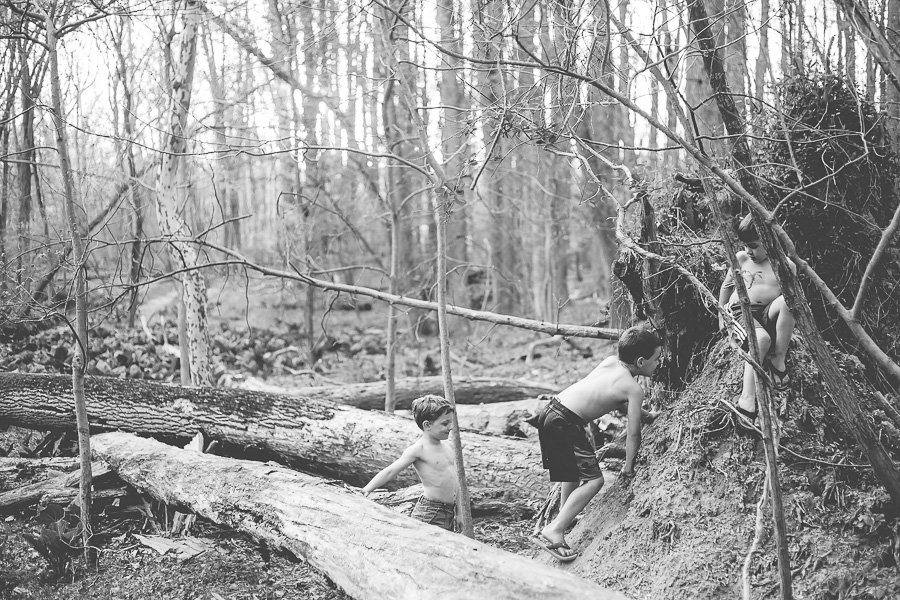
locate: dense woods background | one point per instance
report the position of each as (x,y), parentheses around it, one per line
(536,154)
(297,147)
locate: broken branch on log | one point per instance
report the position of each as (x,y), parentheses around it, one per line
(56,490)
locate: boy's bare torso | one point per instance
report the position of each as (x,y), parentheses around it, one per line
(759,279)
(605,389)
(436,468)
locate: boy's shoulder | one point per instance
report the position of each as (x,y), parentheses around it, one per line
(416,446)
(628,384)
(611,372)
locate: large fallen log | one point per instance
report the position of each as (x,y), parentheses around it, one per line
(370,396)
(331,439)
(501,418)
(368,550)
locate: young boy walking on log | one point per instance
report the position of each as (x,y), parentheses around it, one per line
(433,461)
(565,448)
(773,321)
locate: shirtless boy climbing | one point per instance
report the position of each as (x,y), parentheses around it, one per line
(565,448)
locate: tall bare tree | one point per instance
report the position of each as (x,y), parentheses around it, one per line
(25,167)
(170,197)
(5,131)
(122,45)
(80,256)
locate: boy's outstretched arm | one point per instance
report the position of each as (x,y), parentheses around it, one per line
(633,439)
(408,457)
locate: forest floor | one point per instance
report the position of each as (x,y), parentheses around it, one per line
(246,322)
(681,529)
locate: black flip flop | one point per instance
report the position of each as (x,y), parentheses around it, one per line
(550,548)
(781,380)
(745,419)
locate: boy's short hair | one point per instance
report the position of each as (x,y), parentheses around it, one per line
(430,408)
(637,342)
(746,230)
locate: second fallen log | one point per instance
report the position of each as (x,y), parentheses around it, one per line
(467,390)
(322,437)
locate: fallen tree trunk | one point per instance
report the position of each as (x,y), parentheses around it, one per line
(370,396)
(501,418)
(331,439)
(367,550)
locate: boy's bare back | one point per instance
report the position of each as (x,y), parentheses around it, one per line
(608,387)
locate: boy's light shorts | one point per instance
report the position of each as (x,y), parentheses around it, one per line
(435,512)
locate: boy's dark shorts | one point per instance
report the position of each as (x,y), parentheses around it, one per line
(565,448)
(760,314)
(435,512)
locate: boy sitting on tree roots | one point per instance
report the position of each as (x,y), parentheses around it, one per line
(565,448)
(433,461)
(774,322)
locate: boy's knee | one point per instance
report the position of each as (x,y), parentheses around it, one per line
(594,484)
(763,337)
(779,307)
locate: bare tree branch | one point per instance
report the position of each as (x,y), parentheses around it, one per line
(600,333)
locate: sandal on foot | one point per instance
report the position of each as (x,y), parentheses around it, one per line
(781,380)
(551,548)
(750,415)
(745,419)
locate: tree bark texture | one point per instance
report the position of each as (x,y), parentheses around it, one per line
(728,111)
(319,436)
(24,173)
(367,550)
(171,222)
